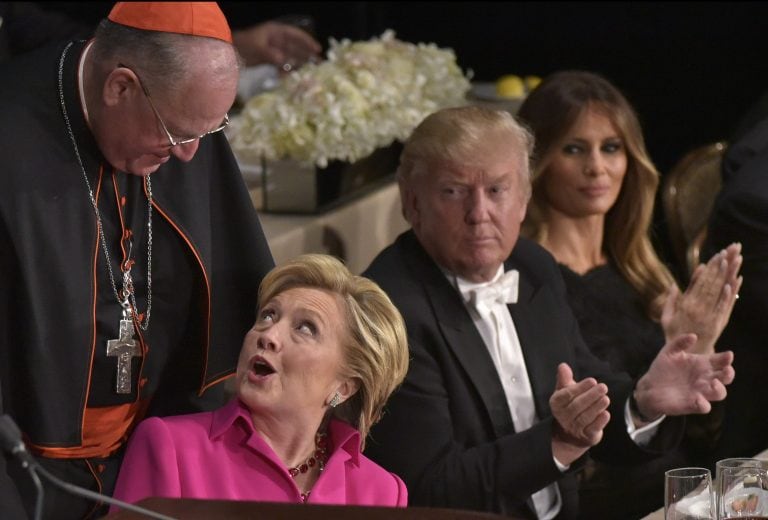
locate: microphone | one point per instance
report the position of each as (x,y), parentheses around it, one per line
(10,440)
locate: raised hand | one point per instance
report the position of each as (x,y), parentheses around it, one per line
(680,382)
(580,410)
(706,305)
(277,43)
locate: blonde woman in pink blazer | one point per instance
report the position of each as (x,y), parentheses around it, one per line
(325,353)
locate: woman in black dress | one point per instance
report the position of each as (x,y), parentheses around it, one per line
(592,205)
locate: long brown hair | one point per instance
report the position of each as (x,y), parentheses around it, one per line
(550,111)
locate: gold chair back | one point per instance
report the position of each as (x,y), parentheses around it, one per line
(688,195)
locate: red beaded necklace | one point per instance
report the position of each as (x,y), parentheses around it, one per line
(318,458)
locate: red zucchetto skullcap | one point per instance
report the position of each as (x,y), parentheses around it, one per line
(195,18)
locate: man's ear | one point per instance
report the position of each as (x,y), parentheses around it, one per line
(409,203)
(522,210)
(120,83)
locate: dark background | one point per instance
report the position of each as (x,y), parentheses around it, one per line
(691,69)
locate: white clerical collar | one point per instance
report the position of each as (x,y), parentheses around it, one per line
(80,80)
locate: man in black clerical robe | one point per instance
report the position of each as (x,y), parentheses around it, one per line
(58,304)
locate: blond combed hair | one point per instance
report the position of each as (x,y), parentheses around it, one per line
(550,111)
(375,352)
(457,135)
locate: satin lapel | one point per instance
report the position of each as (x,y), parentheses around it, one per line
(462,337)
(539,343)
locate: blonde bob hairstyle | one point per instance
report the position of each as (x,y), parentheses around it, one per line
(457,135)
(550,111)
(376,349)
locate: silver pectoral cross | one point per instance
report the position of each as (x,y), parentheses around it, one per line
(124,348)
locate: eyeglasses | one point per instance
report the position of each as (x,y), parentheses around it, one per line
(173,141)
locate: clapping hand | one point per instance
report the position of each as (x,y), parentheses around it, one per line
(706,305)
(580,410)
(681,382)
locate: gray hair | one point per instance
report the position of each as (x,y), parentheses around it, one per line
(161,58)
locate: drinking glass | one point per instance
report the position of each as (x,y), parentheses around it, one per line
(737,462)
(742,489)
(734,462)
(688,494)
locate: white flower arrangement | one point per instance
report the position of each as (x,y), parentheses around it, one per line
(363,97)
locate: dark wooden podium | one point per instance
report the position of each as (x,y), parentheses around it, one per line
(191,509)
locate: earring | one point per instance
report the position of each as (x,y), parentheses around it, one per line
(335,400)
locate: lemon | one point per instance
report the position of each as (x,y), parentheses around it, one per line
(510,86)
(531,82)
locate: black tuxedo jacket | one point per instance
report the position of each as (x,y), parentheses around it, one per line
(448,430)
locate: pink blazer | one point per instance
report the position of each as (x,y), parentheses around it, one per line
(218,455)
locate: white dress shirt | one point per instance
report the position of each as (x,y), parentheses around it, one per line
(494,323)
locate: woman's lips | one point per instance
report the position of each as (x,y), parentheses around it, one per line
(260,368)
(594,191)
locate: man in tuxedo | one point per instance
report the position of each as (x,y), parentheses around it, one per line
(502,397)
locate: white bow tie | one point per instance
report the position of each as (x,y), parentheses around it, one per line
(503,290)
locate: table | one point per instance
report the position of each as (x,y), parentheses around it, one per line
(197,509)
(355,232)
(659,513)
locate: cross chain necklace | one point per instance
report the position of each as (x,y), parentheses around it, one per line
(125,347)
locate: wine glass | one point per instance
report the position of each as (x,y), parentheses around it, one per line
(742,489)
(688,494)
